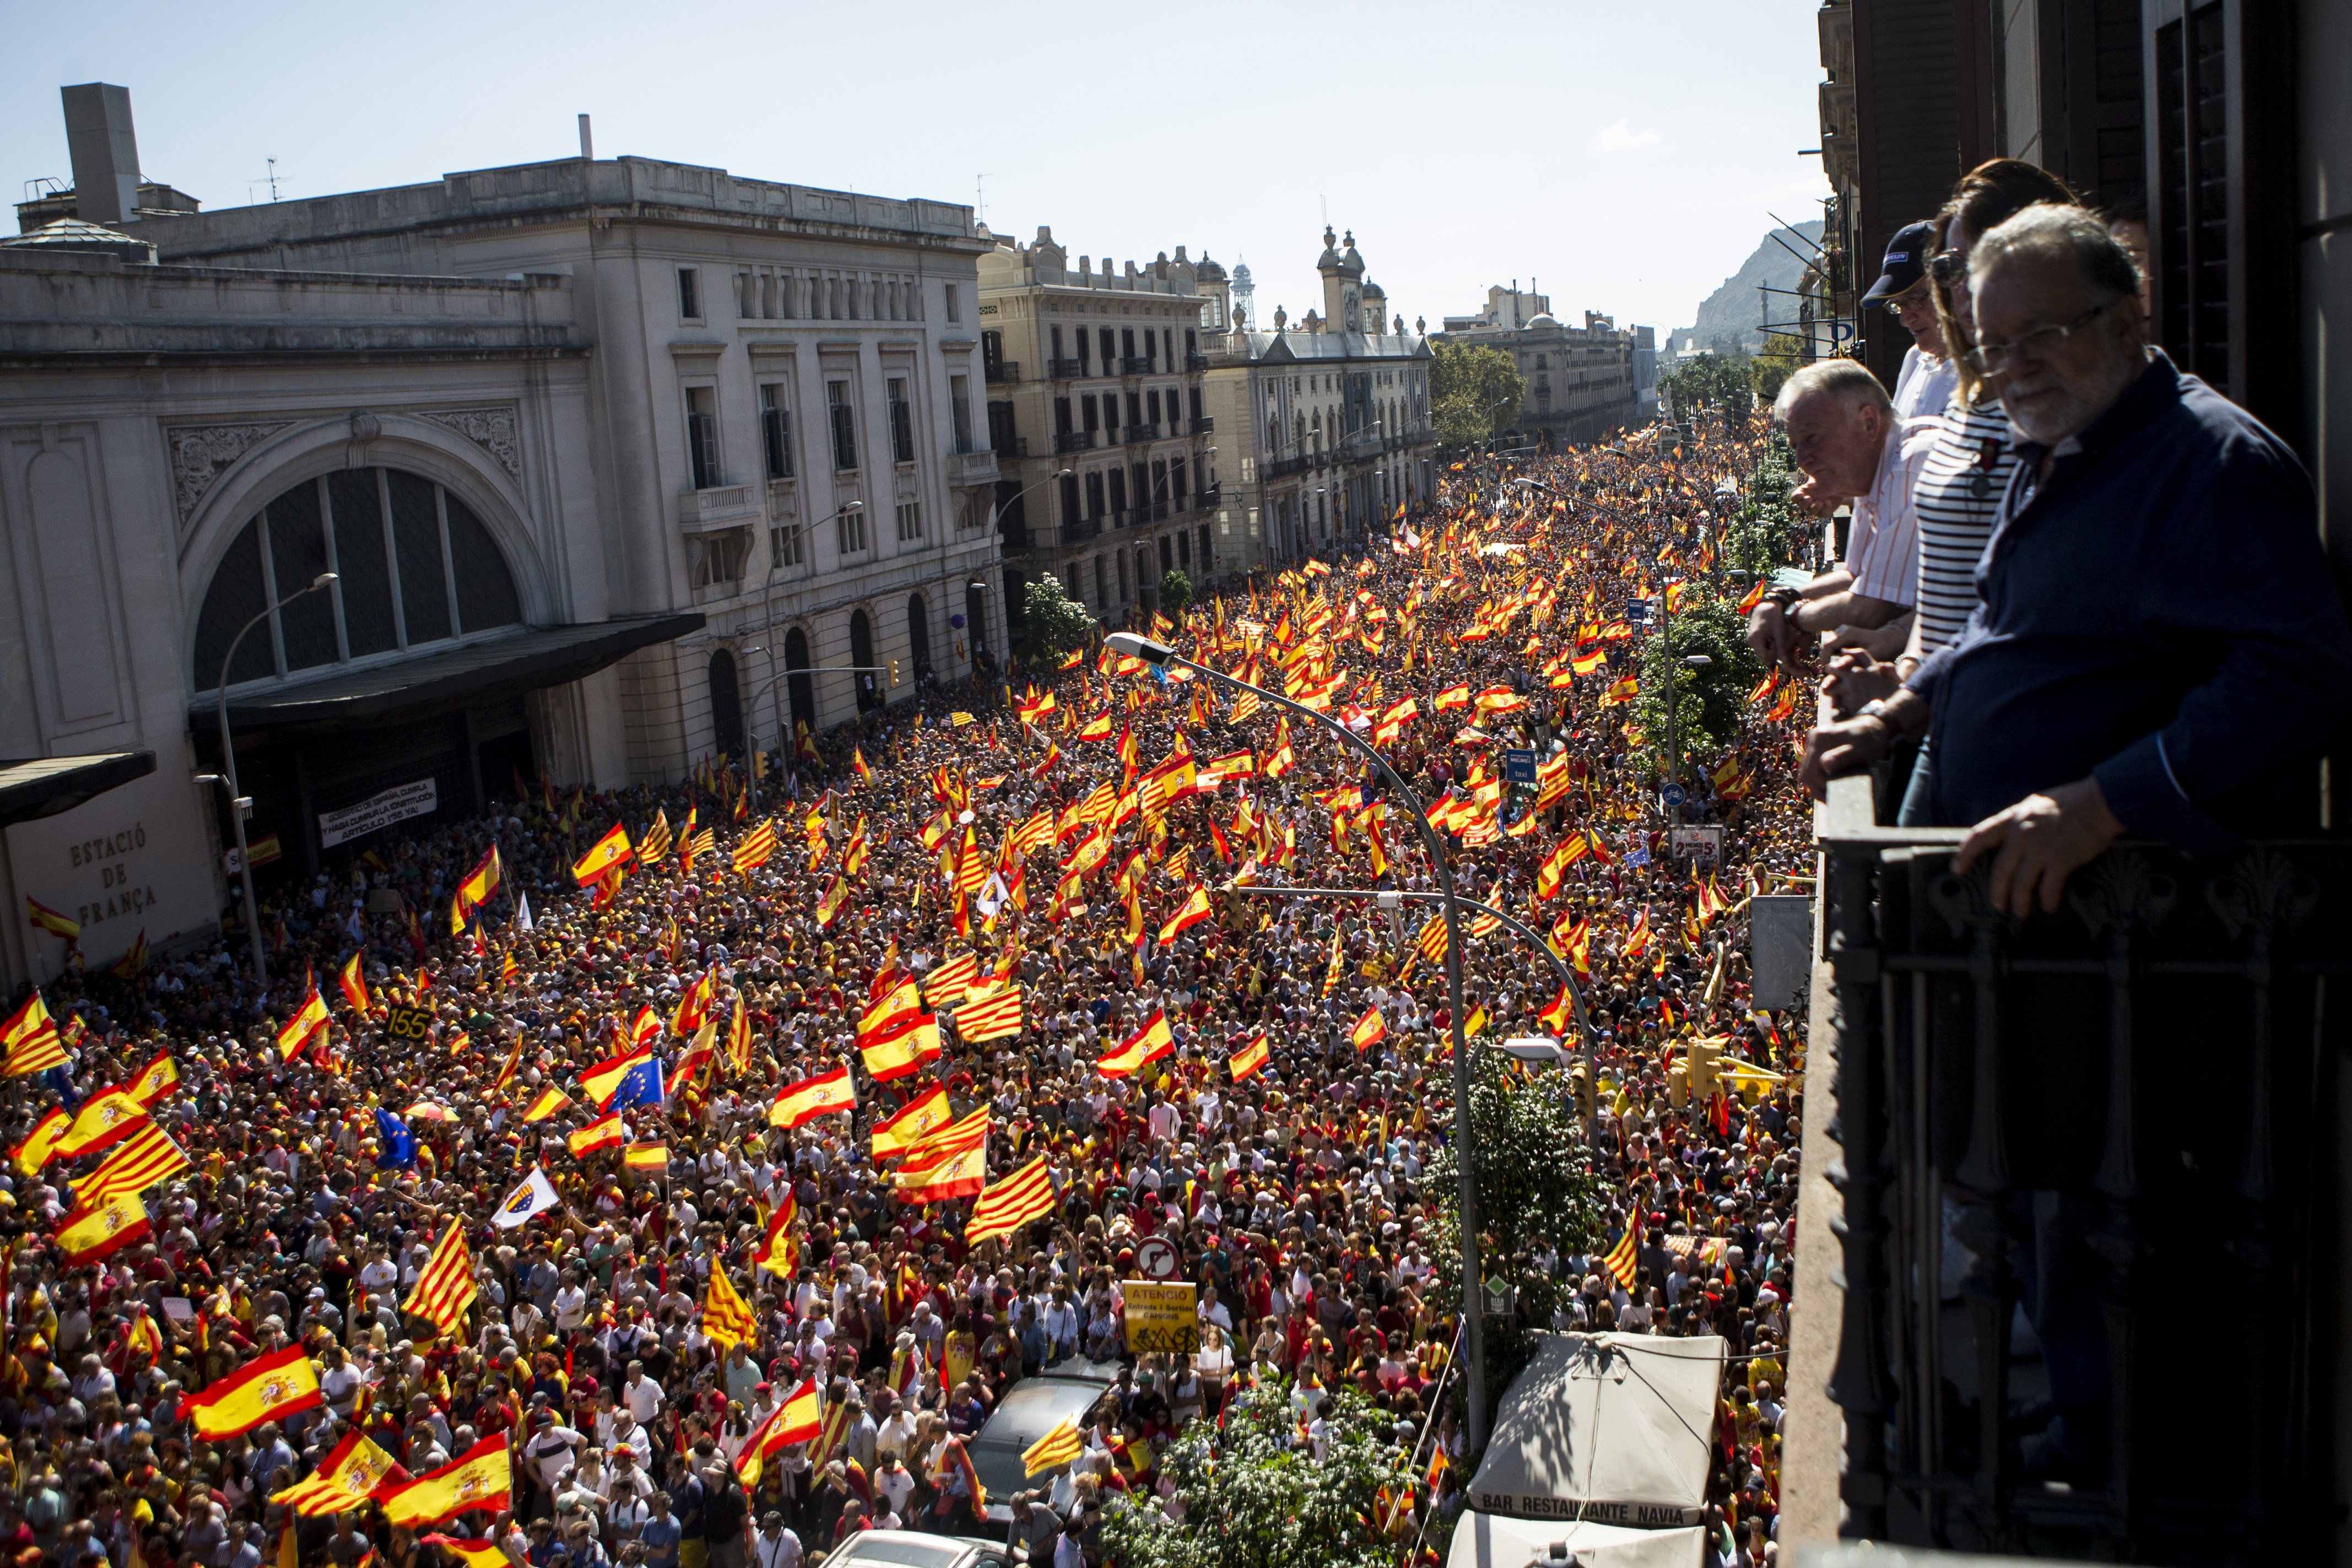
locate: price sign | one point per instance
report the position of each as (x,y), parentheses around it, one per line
(1162,1318)
(409,1024)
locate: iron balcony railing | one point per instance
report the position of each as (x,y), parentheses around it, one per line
(1009,447)
(1003,370)
(2121,1118)
(1194,361)
(1143,433)
(1074,441)
(1282,468)
(1203,500)
(1136,364)
(1204,424)
(1053,536)
(1064,368)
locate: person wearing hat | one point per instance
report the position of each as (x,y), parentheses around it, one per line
(1928,377)
(775,1545)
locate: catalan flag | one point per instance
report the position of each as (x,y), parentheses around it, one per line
(96,1230)
(726,1321)
(756,847)
(1005,1206)
(481,1479)
(264,1389)
(1619,1259)
(655,846)
(945,985)
(604,1132)
(1055,1449)
(605,855)
(41,1144)
(138,1162)
(105,1119)
(993,1013)
(345,1479)
(550,1100)
(1250,1058)
(1147,1044)
(814,1097)
(445,1286)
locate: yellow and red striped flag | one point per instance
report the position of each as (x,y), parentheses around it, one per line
(445,1286)
(726,1321)
(32,1040)
(990,1015)
(1055,1449)
(1005,1206)
(756,849)
(139,1161)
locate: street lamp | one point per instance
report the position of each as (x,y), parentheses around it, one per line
(1161,656)
(240,806)
(1396,897)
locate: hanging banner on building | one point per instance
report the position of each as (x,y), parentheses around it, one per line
(380,810)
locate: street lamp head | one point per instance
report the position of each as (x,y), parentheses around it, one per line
(855,506)
(1062,473)
(1697,660)
(1129,645)
(1533,1048)
(322,579)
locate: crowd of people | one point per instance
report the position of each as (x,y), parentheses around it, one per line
(677,1283)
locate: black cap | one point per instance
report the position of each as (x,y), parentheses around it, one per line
(1906,263)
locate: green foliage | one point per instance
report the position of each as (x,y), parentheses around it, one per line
(1777,363)
(1050,624)
(1252,1500)
(1766,531)
(1709,697)
(1536,1194)
(1175,593)
(1710,381)
(1473,393)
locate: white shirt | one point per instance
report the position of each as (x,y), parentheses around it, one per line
(781,1550)
(1883,551)
(643,1398)
(1923,385)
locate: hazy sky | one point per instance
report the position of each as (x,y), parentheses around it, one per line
(1622,155)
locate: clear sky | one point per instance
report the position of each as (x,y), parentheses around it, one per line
(1622,155)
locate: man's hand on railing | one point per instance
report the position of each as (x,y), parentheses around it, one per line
(2040,842)
(1855,679)
(1850,745)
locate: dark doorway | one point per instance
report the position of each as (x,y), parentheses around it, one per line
(726,706)
(509,770)
(975,619)
(861,654)
(919,636)
(802,688)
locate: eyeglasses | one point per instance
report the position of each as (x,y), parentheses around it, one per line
(2039,343)
(1949,267)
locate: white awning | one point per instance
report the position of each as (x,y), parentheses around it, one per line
(1482,1541)
(1607,1428)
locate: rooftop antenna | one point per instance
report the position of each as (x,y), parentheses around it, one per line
(271,179)
(979,198)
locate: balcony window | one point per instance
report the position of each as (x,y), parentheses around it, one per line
(902,422)
(845,426)
(702,437)
(775,432)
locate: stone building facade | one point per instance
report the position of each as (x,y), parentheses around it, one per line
(1583,384)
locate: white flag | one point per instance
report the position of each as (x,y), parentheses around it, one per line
(534,1197)
(993,897)
(522,913)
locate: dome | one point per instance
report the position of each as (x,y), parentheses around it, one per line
(1242,273)
(1545,319)
(1208,271)
(1351,263)
(70,234)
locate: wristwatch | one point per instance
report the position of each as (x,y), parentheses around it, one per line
(1784,597)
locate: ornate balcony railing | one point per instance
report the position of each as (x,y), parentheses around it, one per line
(1074,441)
(1064,368)
(2121,1117)
(1002,370)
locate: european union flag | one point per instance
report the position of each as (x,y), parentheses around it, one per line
(399,1146)
(642,1085)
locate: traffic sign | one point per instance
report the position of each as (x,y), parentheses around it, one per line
(1158,1259)
(1673,795)
(1520,765)
(1637,611)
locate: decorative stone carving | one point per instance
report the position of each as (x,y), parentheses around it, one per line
(202,453)
(491,429)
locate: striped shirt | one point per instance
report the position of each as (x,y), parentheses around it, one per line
(1960,492)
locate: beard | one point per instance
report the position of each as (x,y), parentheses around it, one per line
(2048,408)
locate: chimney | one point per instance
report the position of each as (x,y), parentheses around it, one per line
(105,153)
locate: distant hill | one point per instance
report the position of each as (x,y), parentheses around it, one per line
(1727,318)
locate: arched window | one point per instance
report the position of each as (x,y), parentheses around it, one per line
(919,632)
(414,567)
(802,688)
(726,706)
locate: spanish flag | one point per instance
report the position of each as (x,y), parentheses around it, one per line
(814,1097)
(106,1119)
(1195,910)
(727,1322)
(902,1048)
(960,1173)
(608,852)
(1006,1205)
(43,918)
(478,1553)
(550,1100)
(603,1082)
(646,1157)
(604,1132)
(829,904)
(478,1480)
(308,1020)
(155,1080)
(1250,1058)
(96,1230)
(480,882)
(41,1143)
(354,985)
(1147,1044)
(262,1389)
(31,1036)
(1369,1030)
(1452,697)
(902,1132)
(345,1479)
(777,1253)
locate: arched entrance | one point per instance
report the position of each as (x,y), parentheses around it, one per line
(861,654)
(802,688)
(726,706)
(919,636)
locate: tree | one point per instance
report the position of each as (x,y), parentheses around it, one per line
(1536,1195)
(1052,623)
(1473,393)
(1710,381)
(1766,372)
(1175,593)
(1709,697)
(1251,1500)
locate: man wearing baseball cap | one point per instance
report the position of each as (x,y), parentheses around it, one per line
(1928,378)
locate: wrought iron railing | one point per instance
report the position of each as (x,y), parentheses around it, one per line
(2121,1117)
(1002,370)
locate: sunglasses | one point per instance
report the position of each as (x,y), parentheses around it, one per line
(1949,267)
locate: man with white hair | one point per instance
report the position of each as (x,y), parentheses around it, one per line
(1853,447)
(2159,648)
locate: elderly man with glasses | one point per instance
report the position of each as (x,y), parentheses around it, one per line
(2160,649)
